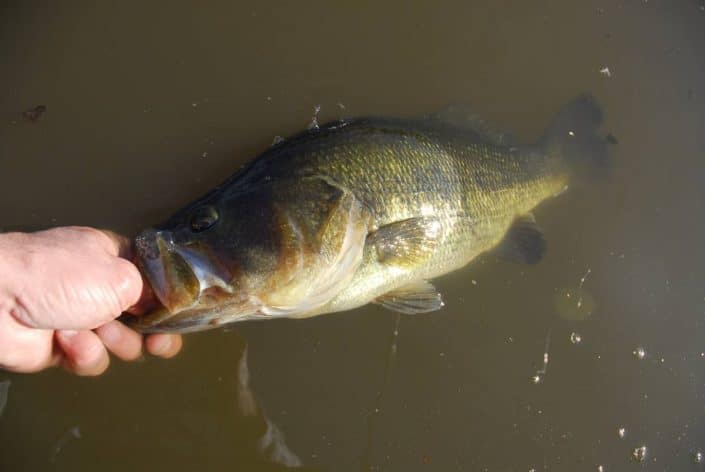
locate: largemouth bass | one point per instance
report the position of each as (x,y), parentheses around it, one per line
(360,211)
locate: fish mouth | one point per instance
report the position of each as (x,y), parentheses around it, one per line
(190,287)
(173,281)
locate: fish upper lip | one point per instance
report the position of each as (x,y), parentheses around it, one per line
(150,247)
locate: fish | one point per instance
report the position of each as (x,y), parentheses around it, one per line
(358,211)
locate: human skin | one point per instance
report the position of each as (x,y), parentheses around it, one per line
(60,292)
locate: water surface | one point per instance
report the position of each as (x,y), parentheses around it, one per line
(148,106)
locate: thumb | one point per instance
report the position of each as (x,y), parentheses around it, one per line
(128,285)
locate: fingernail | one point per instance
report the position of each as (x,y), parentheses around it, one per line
(163,346)
(67,333)
(110,334)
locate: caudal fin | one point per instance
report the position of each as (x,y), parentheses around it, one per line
(574,136)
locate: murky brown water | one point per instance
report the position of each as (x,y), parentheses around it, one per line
(149,106)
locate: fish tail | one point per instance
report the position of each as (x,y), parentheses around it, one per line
(574,137)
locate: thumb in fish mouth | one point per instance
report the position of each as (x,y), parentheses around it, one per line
(147,302)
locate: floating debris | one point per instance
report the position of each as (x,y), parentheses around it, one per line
(639,454)
(74,433)
(204,155)
(541,373)
(4,389)
(575,338)
(600,468)
(314,120)
(34,113)
(606,72)
(580,287)
(277,139)
(621,432)
(698,457)
(341,106)
(575,304)
(639,353)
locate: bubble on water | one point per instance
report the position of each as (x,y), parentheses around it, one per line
(575,338)
(639,454)
(698,457)
(600,468)
(536,379)
(621,432)
(639,353)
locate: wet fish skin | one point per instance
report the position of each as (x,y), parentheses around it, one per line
(361,211)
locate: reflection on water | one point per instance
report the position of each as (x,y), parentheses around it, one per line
(4,392)
(272,443)
(121,144)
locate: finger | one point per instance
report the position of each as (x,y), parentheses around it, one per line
(24,349)
(120,340)
(147,301)
(119,245)
(84,353)
(127,283)
(163,345)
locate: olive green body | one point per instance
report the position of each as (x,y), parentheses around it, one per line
(367,210)
(403,169)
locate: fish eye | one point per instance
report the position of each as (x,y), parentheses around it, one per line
(204,218)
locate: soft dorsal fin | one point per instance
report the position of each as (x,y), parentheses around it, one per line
(463,116)
(524,241)
(406,242)
(417,297)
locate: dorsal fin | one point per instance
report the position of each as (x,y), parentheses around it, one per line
(462,115)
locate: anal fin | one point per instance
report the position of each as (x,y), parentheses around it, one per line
(418,297)
(524,241)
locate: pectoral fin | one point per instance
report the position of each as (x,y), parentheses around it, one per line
(407,242)
(419,297)
(524,242)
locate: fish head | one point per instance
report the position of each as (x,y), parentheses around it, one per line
(277,251)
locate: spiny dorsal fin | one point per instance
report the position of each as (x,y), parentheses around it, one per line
(406,242)
(417,297)
(463,116)
(524,242)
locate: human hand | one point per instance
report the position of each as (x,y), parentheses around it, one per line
(60,292)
